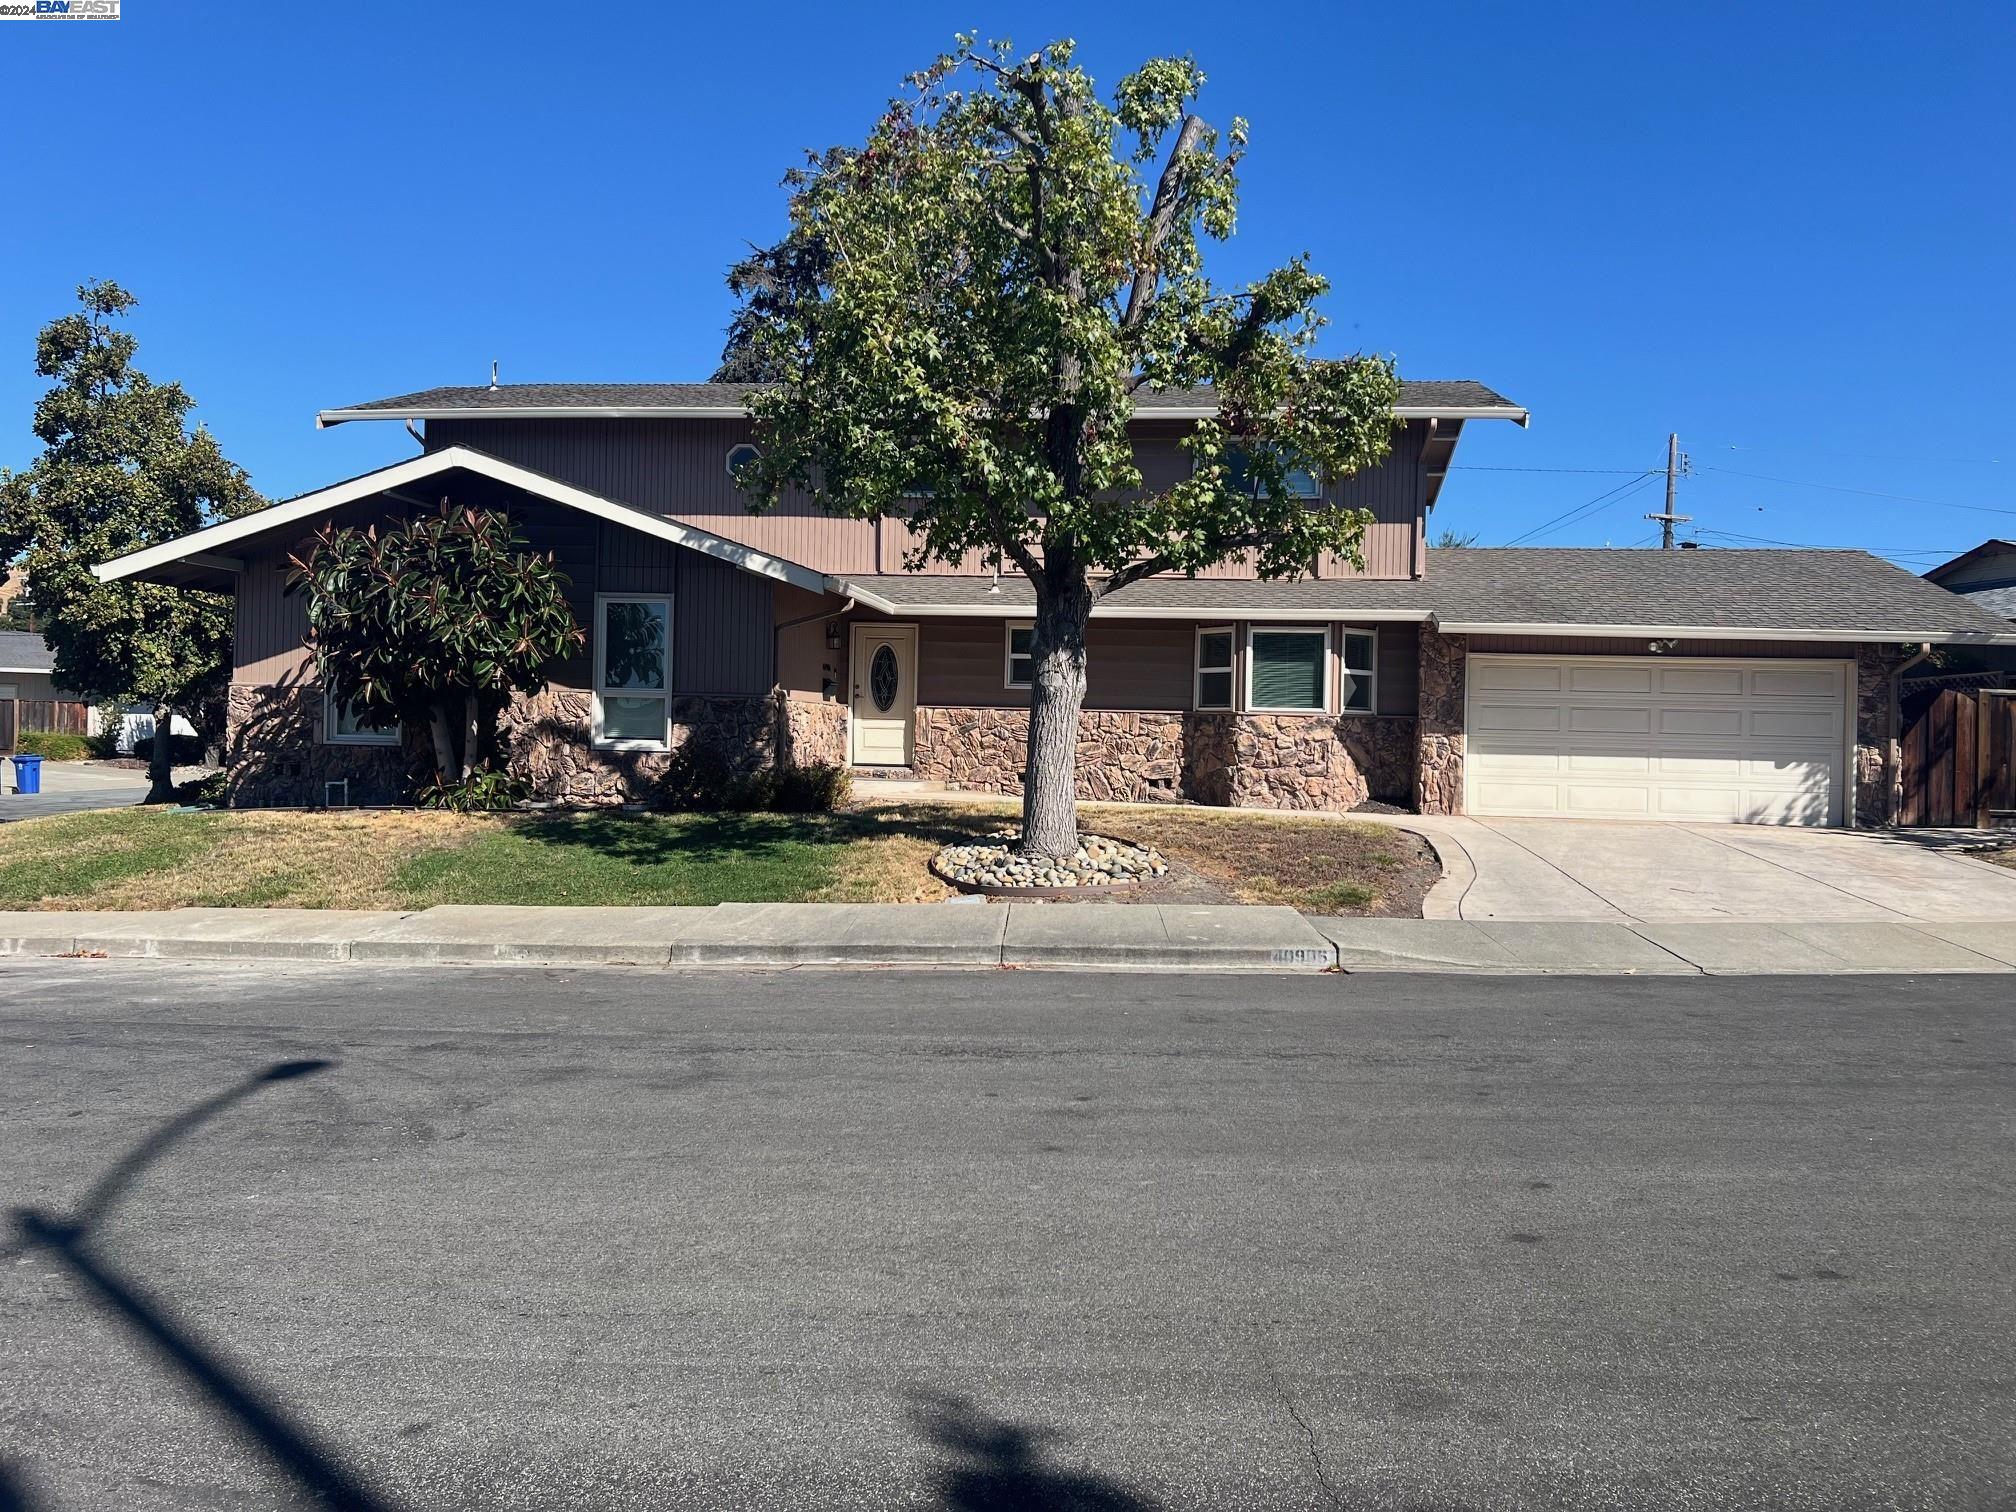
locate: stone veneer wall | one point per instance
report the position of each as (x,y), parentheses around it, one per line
(1879,770)
(1284,761)
(275,754)
(1438,785)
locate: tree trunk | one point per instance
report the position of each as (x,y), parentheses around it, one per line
(1057,692)
(471,735)
(444,744)
(161,765)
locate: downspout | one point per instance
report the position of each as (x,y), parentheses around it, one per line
(1893,748)
(419,440)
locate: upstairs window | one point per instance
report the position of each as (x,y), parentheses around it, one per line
(1286,666)
(1360,671)
(1300,482)
(740,457)
(1215,665)
(1019,669)
(633,673)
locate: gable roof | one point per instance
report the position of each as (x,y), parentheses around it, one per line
(1993,547)
(22,651)
(1594,591)
(205,549)
(1452,399)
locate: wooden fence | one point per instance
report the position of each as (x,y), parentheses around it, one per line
(1959,759)
(58,716)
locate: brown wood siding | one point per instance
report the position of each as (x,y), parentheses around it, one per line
(1128,665)
(722,636)
(270,625)
(1396,687)
(1568,645)
(678,468)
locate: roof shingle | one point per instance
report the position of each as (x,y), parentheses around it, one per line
(1831,592)
(1462,393)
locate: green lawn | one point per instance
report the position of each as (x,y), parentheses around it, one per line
(618,859)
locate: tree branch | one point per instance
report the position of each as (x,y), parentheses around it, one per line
(1161,221)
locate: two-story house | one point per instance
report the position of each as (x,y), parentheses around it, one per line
(1686,685)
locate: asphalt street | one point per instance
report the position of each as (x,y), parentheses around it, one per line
(989,1240)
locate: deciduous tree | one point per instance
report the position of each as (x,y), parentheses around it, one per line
(964,312)
(120,470)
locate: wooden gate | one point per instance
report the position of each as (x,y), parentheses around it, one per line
(1959,759)
(8,708)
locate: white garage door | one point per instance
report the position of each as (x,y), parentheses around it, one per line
(1654,737)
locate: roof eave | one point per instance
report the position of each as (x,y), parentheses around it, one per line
(1729,632)
(330,417)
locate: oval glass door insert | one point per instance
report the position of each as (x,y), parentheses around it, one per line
(882,678)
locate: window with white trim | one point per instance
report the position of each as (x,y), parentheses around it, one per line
(1287,668)
(742,456)
(1217,659)
(342,726)
(1359,691)
(1018,656)
(633,673)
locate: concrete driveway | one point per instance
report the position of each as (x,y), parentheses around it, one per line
(70,787)
(1589,869)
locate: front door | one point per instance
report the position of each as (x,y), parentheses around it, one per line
(885,693)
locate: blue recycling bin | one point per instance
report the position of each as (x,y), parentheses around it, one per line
(27,774)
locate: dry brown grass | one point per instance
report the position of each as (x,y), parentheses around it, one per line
(1313,863)
(294,860)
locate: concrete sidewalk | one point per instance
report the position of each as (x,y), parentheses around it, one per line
(1136,937)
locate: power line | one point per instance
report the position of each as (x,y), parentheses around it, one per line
(1867,493)
(1581,511)
(1479,467)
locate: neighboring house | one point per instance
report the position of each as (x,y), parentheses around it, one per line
(1684,685)
(1986,578)
(29,697)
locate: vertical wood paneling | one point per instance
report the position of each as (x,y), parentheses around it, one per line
(678,468)
(1398,669)
(269,625)
(724,628)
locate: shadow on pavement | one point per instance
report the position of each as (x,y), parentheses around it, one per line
(286,1444)
(997,1466)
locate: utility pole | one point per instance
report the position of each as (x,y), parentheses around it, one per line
(1676,465)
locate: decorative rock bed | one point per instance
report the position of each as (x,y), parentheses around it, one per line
(992,864)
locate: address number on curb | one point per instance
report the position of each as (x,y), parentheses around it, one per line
(1301,958)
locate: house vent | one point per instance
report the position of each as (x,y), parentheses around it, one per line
(336,793)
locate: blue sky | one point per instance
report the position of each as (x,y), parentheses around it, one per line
(1783,231)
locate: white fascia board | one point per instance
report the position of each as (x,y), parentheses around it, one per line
(1021,609)
(30,671)
(1726,632)
(417,469)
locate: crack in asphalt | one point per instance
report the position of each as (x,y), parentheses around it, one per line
(1330,1492)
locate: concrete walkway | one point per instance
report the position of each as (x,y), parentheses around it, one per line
(1594,870)
(1015,935)
(71,787)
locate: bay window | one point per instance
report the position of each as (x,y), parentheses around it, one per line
(1216,659)
(1287,669)
(1360,671)
(633,673)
